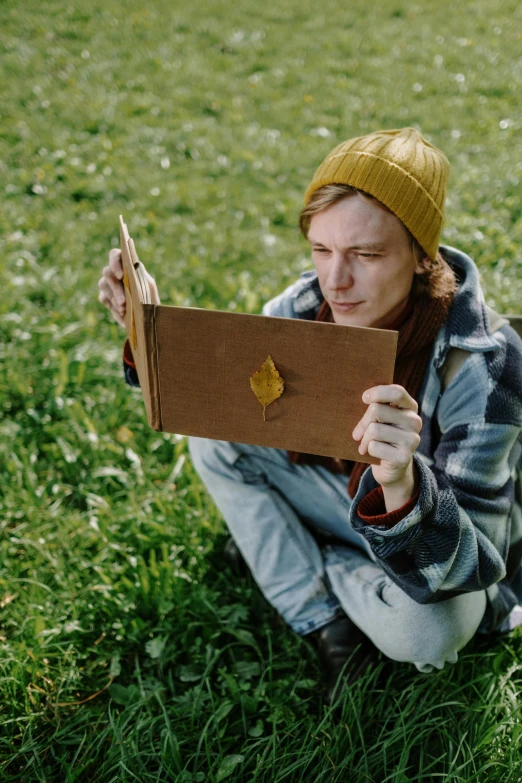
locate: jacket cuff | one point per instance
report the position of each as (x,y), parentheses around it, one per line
(128,358)
(131,375)
(384,540)
(372,509)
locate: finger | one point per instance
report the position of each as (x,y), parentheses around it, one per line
(116,263)
(376,411)
(154,295)
(118,319)
(118,313)
(105,295)
(151,282)
(116,289)
(371,414)
(108,299)
(385,433)
(389,454)
(394,394)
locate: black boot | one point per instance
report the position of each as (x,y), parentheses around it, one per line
(337,642)
(234,558)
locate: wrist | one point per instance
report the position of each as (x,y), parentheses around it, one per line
(397,494)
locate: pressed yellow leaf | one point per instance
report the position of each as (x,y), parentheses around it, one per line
(267,384)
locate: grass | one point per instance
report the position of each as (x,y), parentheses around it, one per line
(128,653)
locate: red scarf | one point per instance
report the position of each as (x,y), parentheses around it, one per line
(417,325)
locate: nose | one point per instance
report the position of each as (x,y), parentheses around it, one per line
(340,274)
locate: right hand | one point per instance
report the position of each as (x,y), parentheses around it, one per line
(112,293)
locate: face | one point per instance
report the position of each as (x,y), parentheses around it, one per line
(364,262)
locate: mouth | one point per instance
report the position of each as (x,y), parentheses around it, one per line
(345,306)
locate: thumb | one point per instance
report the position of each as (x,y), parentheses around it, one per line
(153,288)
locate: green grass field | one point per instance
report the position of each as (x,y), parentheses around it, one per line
(127,651)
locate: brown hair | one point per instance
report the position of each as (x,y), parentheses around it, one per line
(436,282)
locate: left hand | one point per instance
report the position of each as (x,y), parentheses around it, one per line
(389,430)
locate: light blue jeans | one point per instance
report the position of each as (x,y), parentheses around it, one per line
(264,499)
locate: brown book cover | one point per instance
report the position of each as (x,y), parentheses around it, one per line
(194,366)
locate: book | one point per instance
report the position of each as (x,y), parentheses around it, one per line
(194,366)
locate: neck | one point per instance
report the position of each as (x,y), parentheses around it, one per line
(398,316)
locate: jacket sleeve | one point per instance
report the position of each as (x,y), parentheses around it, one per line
(129,368)
(456,538)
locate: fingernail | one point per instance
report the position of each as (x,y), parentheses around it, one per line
(355,433)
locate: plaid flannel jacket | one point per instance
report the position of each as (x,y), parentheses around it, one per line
(465,531)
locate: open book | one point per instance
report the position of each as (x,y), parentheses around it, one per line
(194,367)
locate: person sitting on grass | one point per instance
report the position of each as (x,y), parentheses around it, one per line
(415,555)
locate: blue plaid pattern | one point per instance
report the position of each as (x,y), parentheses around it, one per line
(465,532)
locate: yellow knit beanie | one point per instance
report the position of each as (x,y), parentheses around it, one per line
(400,169)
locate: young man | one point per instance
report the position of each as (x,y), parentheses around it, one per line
(414,555)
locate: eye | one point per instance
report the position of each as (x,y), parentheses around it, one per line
(368,255)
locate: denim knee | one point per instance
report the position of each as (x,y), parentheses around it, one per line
(207,452)
(428,635)
(215,454)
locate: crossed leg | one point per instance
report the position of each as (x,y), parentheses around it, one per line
(264,499)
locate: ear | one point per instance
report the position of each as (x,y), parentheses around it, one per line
(423,265)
